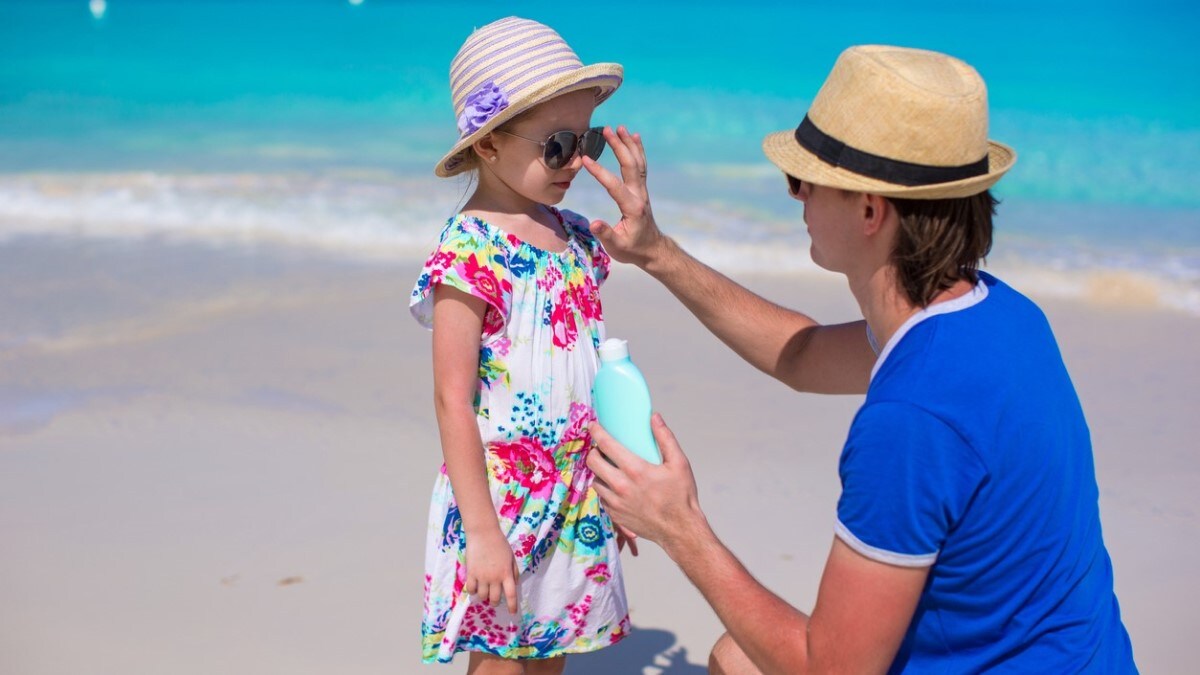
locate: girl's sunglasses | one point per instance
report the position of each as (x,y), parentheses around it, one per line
(560,147)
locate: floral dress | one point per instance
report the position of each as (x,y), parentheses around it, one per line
(537,360)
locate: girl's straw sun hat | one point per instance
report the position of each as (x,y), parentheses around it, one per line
(506,68)
(896,122)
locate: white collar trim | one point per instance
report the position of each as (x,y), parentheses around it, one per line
(965,301)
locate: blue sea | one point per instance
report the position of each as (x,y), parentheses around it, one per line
(317,123)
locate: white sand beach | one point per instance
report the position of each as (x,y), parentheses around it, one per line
(219,461)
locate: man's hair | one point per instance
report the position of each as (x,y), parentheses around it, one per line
(941,241)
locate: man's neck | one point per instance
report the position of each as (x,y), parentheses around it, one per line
(886,307)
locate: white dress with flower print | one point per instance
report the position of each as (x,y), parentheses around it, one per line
(537,360)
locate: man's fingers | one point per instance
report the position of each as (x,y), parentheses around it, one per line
(626,201)
(602,231)
(641,153)
(620,147)
(633,162)
(603,176)
(636,155)
(619,454)
(494,592)
(597,460)
(603,471)
(633,167)
(667,444)
(604,492)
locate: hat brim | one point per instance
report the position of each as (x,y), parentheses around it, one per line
(606,77)
(785,152)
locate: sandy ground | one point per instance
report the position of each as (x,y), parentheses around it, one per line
(220,461)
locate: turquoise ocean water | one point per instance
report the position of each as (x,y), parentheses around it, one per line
(318,122)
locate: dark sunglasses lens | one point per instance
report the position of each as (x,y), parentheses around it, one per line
(593,143)
(793,185)
(560,148)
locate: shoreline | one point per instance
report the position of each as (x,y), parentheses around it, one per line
(743,225)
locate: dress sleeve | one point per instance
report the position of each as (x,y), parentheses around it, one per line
(467,259)
(907,478)
(599,259)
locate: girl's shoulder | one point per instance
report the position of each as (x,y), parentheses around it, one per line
(574,223)
(577,228)
(467,231)
(462,224)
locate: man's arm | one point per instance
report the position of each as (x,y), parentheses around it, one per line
(787,345)
(783,343)
(863,607)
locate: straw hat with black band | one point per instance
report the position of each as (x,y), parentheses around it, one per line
(506,68)
(896,122)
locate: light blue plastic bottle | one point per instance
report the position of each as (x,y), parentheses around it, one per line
(622,401)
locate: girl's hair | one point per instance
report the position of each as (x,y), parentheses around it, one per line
(470,161)
(941,241)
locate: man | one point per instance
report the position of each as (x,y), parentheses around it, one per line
(968,533)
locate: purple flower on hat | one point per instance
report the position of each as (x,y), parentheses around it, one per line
(482,105)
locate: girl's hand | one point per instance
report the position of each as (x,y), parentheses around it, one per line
(625,537)
(492,570)
(635,238)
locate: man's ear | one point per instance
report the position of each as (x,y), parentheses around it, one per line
(874,211)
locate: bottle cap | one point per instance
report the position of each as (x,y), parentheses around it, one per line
(613,349)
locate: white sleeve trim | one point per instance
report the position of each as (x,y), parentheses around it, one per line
(881,555)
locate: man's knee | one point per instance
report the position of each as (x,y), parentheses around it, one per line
(727,658)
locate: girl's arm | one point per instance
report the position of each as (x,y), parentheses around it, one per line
(457,324)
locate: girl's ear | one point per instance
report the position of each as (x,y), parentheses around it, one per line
(485,148)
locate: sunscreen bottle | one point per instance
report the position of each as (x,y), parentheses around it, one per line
(622,401)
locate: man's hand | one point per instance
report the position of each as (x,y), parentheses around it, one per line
(654,501)
(635,238)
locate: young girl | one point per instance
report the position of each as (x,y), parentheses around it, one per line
(522,565)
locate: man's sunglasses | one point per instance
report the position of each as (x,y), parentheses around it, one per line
(794,185)
(560,147)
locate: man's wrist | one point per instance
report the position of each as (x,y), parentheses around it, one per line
(692,538)
(660,258)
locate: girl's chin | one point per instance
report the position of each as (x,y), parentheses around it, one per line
(553,196)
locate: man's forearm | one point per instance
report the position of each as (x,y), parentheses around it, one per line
(785,344)
(769,630)
(757,329)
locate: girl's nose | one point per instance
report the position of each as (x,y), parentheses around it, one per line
(576,163)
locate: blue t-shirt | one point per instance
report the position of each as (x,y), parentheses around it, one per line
(971,456)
